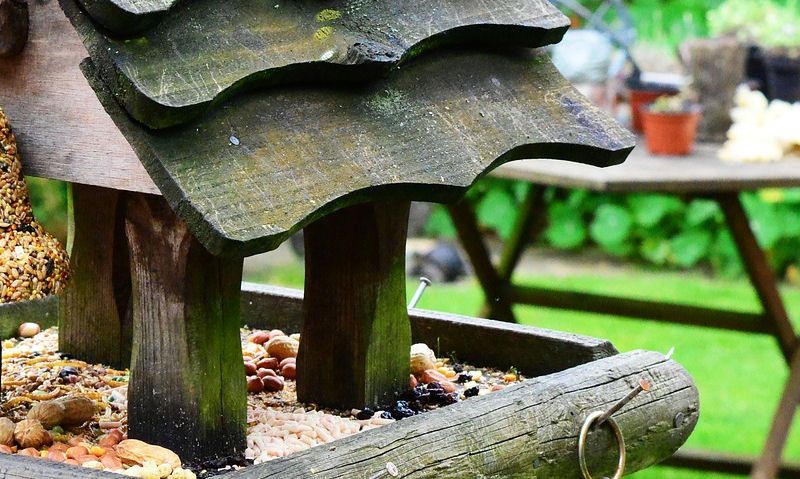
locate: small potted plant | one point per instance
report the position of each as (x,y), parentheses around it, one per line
(670,124)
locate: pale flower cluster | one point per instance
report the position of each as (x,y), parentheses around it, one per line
(762,130)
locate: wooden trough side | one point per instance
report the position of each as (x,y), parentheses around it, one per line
(483,342)
(528,430)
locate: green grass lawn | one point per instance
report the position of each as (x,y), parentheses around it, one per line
(740,376)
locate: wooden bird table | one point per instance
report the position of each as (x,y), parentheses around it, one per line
(700,175)
(207,134)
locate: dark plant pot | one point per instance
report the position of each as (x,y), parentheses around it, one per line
(670,134)
(640,99)
(756,70)
(783,77)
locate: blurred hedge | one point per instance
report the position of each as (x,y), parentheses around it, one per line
(659,229)
(49,200)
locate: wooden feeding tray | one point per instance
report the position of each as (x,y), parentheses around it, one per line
(254,120)
(530,428)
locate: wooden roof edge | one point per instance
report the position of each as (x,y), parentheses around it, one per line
(118,17)
(156,114)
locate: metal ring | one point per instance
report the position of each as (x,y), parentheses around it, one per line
(587,424)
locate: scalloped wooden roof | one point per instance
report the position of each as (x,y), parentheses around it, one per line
(205,50)
(267,132)
(262,165)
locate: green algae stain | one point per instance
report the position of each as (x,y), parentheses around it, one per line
(138,42)
(328,15)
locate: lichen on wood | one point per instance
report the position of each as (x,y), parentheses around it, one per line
(204,51)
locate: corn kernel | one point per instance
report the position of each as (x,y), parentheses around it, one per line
(97,451)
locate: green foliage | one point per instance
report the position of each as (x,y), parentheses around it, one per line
(611,227)
(769,23)
(566,229)
(49,201)
(659,229)
(668,23)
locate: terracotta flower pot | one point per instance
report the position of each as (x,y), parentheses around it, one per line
(670,134)
(641,98)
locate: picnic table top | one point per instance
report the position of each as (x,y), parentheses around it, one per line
(700,172)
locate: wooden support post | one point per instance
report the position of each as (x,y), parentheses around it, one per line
(13,27)
(356,334)
(187,389)
(94,315)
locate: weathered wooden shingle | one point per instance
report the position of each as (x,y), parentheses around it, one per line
(261,165)
(206,50)
(127,17)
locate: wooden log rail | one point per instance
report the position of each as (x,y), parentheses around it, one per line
(528,430)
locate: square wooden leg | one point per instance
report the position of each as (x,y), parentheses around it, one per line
(94,311)
(187,388)
(356,336)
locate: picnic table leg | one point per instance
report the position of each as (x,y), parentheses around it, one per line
(94,316)
(187,387)
(759,272)
(763,280)
(530,220)
(769,463)
(466,224)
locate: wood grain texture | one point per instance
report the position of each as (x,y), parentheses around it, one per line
(63,132)
(13,27)
(201,52)
(264,165)
(700,172)
(356,334)
(127,17)
(527,430)
(187,388)
(98,296)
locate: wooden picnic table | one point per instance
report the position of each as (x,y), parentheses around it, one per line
(698,175)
